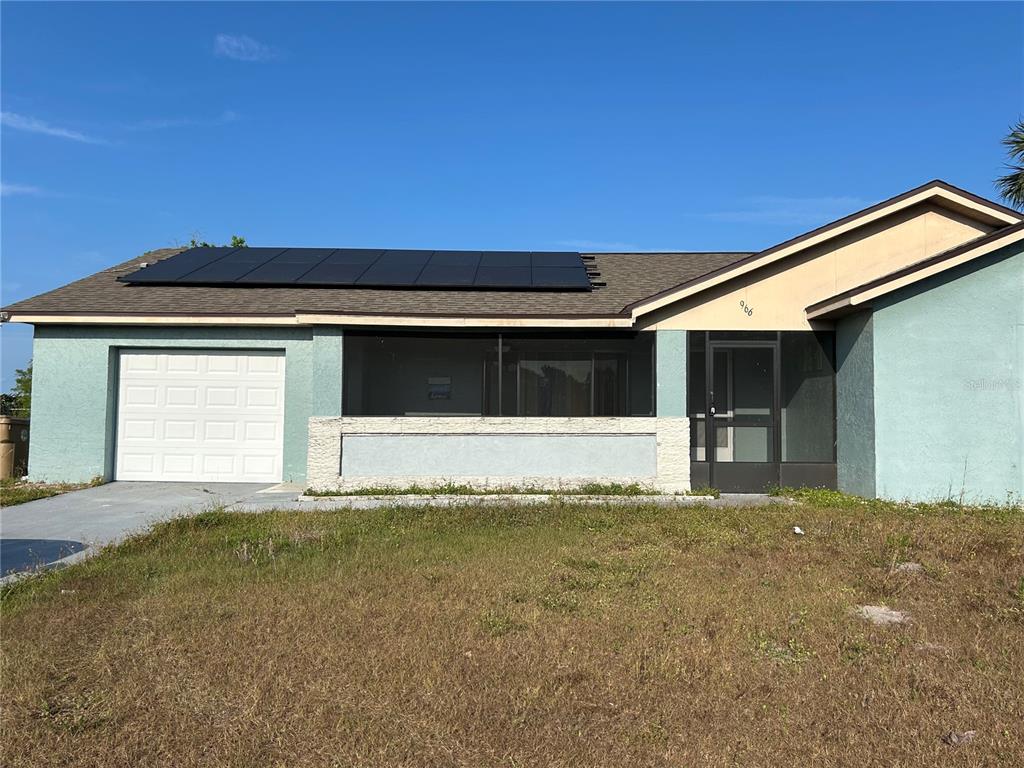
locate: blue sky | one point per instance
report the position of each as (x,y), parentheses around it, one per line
(128,127)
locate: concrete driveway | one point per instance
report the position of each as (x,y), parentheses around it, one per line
(65,528)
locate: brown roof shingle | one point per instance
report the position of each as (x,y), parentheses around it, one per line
(630,277)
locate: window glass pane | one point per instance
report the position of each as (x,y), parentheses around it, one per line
(698,440)
(739,442)
(610,383)
(410,375)
(578,375)
(808,397)
(641,374)
(743,382)
(551,383)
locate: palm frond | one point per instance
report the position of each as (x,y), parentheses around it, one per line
(1014,142)
(1011,186)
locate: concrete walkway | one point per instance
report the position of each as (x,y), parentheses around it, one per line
(65,528)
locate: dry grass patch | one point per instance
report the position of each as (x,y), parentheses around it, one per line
(13,491)
(560,635)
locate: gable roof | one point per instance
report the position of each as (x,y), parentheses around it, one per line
(936,192)
(628,278)
(634,284)
(849,301)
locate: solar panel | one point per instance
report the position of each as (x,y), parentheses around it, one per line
(169,270)
(395,268)
(556,259)
(370,268)
(287,267)
(236,264)
(503,277)
(455,259)
(444,276)
(505,259)
(342,267)
(559,277)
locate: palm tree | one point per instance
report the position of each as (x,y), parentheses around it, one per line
(1011,186)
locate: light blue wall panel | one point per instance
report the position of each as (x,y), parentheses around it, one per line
(855,405)
(75,385)
(948,374)
(670,353)
(327,347)
(500,455)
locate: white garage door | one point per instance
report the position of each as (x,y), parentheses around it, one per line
(211,416)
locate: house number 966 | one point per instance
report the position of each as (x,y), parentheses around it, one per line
(746,308)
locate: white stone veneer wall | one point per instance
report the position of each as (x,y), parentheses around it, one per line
(670,435)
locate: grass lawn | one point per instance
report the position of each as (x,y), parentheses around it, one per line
(559,635)
(18,492)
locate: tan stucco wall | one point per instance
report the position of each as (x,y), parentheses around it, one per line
(777,294)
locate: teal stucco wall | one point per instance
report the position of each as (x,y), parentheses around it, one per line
(670,366)
(855,405)
(74,391)
(948,371)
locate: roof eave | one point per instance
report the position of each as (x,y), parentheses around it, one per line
(937,191)
(861,296)
(617,321)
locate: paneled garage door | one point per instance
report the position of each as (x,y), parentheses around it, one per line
(210,416)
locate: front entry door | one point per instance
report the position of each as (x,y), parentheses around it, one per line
(743,408)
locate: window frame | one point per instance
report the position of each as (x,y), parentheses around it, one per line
(590,342)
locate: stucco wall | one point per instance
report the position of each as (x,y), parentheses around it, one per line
(490,451)
(855,405)
(776,295)
(75,387)
(948,370)
(670,372)
(497,455)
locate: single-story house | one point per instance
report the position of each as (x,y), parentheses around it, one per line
(881,354)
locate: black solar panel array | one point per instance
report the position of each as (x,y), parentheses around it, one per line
(369,268)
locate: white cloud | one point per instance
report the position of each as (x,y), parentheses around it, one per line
(33,125)
(225,117)
(9,190)
(800,211)
(598,245)
(242,48)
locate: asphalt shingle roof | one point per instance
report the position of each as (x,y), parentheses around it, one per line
(629,277)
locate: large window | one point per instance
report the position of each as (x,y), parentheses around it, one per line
(498,375)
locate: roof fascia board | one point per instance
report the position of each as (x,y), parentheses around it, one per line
(936,192)
(62,318)
(867,292)
(420,321)
(478,321)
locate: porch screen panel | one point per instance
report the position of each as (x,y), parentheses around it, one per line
(396,374)
(577,376)
(419,375)
(696,393)
(808,397)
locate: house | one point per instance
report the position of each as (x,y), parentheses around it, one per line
(881,354)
